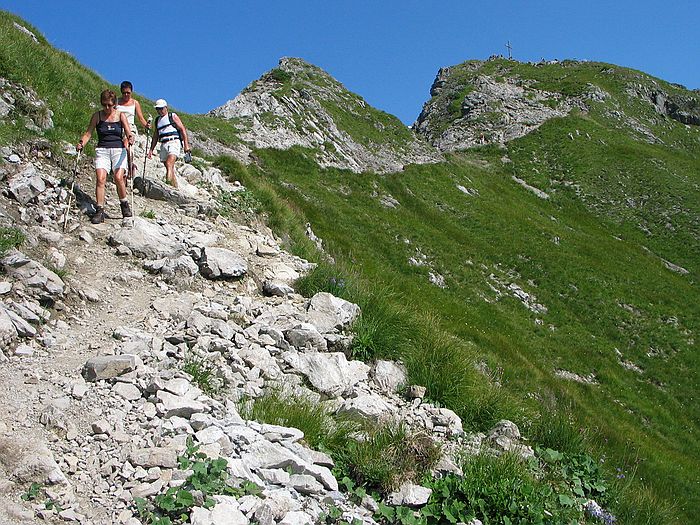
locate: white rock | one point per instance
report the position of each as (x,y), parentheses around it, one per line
(328,313)
(127,391)
(410,495)
(388,375)
(330,374)
(222,263)
(171,405)
(370,406)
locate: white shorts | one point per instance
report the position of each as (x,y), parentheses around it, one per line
(172,147)
(110,159)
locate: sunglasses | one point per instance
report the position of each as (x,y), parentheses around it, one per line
(126,92)
(108,105)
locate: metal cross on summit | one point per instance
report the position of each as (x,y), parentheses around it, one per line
(510,49)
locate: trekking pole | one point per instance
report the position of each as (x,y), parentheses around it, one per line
(145,149)
(72,185)
(130,165)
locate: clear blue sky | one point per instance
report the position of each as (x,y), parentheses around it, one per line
(199,54)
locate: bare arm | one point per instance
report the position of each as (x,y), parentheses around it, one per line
(127,128)
(139,114)
(154,140)
(183,132)
(88,133)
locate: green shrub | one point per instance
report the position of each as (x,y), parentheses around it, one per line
(496,490)
(148,214)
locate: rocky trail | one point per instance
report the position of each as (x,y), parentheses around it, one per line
(97,323)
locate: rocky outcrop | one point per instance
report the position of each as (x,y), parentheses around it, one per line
(469,108)
(21,103)
(298,104)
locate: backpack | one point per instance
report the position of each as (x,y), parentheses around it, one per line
(171,122)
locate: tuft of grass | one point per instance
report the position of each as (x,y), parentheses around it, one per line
(148,214)
(10,238)
(386,455)
(321,430)
(205,375)
(555,428)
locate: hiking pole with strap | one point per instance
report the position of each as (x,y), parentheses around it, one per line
(72,186)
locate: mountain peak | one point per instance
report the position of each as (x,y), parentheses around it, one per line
(299,104)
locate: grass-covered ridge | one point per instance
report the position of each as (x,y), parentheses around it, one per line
(614,312)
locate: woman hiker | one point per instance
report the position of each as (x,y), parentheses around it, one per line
(169,131)
(131,108)
(113,134)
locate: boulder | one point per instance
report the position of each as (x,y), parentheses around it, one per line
(221,263)
(27,185)
(329,313)
(306,336)
(368,406)
(147,240)
(32,274)
(331,374)
(109,366)
(410,495)
(388,375)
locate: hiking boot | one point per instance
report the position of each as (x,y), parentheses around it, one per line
(99,216)
(126,209)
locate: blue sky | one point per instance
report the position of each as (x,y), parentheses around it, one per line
(198,55)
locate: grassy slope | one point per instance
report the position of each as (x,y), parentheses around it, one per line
(603,290)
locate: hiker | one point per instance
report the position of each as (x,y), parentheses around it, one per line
(131,108)
(169,131)
(113,134)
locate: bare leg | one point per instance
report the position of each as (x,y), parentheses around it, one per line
(170,170)
(100,179)
(120,183)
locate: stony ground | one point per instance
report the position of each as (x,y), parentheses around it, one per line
(96,323)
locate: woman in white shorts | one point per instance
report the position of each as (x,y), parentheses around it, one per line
(113,133)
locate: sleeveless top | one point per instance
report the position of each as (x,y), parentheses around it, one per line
(130,112)
(166,130)
(109,134)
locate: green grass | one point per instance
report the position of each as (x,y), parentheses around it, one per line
(10,238)
(601,293)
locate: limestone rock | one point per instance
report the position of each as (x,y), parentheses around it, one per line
(222,263)
(329,313)
(332,374)
(109,366)
(147,239)
(32,274)
(410,495)
(388,375)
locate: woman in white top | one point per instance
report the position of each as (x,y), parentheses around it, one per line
(131,107)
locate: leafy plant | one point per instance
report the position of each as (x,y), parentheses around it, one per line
(209,477)
(148,214)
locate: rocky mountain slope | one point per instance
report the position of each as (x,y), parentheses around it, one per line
(98,325)
(498,100)
(556,266)
(298,104)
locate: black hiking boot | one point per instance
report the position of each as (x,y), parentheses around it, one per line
(126,209)
(99,216)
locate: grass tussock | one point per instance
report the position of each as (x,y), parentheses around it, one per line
(10,238)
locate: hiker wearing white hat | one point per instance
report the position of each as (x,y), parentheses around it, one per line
(170,132)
